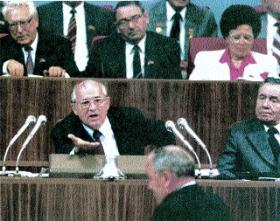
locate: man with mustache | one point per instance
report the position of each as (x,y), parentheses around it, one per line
(133,52)
(253,145)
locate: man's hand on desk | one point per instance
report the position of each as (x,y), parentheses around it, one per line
(81,144)
(15,68)
(55,71)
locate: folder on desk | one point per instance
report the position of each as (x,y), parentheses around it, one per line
(86,166)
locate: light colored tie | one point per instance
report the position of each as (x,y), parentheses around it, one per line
(72,29)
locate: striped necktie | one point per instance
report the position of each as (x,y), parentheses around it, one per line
(72,29)
(136,63)
(276,43)
(29,63)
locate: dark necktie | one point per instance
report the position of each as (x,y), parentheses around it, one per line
(29,62)
(72,29)
(175,30)
(275,147)
(276,44)
(136,63)
(96,136)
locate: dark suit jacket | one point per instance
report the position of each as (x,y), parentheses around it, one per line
(200,22)
(191,203)
(162,58)
(132,131)
(99,21)
(247,150)
(51,51)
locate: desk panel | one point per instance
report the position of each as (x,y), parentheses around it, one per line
(209,107)
(129,200)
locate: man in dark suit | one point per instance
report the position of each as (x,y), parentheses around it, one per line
(26,51)
(171,172)
(253,146)
(194,21)
(121,130)
(91,21)
(133,52)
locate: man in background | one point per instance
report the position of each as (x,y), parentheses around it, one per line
(132,52)
(171,172)
(26,51)
(79,21)
(182,20)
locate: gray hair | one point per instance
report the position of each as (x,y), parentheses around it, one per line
(12,4)
(174,159)
(87,83)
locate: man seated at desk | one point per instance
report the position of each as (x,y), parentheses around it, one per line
(25,51)
(133,52)
(95,127)
(253,145)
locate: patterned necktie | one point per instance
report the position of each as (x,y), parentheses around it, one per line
(72,29)
(274,144)
(175,30)
(29,62)
(96,136)
(136,63)
(276,44)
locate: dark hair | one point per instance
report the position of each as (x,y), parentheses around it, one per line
(126,3)
(236,15)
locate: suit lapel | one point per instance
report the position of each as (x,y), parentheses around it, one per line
(58,18)
(90,28)
(258,137)
(149,56)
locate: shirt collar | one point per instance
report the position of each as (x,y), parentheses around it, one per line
(68,8)
(276,126)
(141,45)
(249,59)
(170,12)
(187,184)
(103,129)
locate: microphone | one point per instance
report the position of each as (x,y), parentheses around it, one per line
(29,120)
(183,124)
(42,119)
(170,126)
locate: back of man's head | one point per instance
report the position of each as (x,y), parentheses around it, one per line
(174,159)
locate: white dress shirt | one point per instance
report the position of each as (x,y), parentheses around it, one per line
(81,49)
(169,22)
(25,54)
(107,138)
(129,53)
(277,136)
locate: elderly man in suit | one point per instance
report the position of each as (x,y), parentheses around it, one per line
(182,20)
(133,52)
(26,51)
(253,145)
(171,178)
(90,21)
(119,130)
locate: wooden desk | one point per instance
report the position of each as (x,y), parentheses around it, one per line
(209,107)
(27,199)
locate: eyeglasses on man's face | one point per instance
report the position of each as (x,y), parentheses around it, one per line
(125,21)
(96,101)
(23,23)
(236,38)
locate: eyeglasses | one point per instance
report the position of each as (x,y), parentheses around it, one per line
(24,24)
(236,38)
(96,101)
(125,21)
